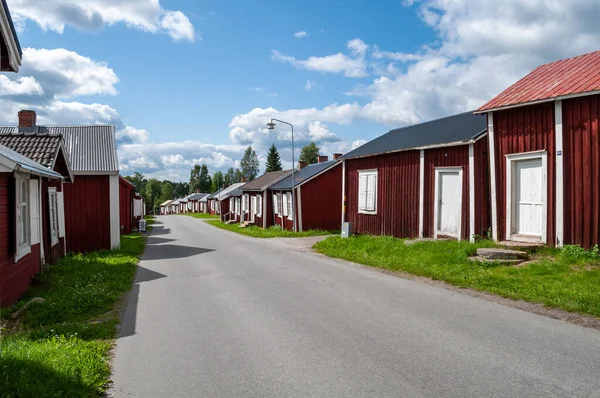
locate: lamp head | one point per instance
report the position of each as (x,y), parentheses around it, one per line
(271,126)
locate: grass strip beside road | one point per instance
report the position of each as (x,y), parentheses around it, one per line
(567,279)
(271,232)
(202,216)
(61,347)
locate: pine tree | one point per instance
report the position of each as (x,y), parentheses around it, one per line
(273,160)
(249,164)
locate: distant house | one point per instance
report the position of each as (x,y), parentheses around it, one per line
(424,180)
(203,204)
(182,205)
(28,228)
(193,204)
(131,206)
(317,192)
(257,201)
(165,207)
(92,199)
(48,151)
(545,168)
(213,203)
(229,202)
(175,206)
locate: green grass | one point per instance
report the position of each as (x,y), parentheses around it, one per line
(567,279)
(271,232)
(201,215)
(60,348)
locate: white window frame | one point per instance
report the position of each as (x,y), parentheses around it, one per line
(437,193)
(53,216)
(23,218)
(367,173)
(289,206)
(246,203)
(511,162)
(212,205)
(259,205)
(284,204)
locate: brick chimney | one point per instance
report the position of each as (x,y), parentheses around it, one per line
(337,155)
(243,178)
(301,164)
(27,118)
(323,158)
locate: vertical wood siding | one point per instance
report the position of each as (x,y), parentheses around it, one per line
(482,187)
(281,220)
(15,279)
(455,156)
(87,214)
(125,207)
(51,253)
(397,195)
(524,129)
(581,162)
(322,201)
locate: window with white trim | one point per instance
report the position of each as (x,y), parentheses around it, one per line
(231,205)
(53,213)
(290,211)
(246,203)
(284,204)
(275,203)
(23,245)
(367,191)
(259,205)
(212,205)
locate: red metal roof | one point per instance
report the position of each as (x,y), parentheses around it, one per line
(575,75)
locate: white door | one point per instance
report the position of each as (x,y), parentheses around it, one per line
(528,203)
(449,193)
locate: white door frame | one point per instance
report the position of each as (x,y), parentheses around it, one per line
(511,162)
(437,192)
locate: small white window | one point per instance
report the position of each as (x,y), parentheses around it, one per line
(231,205)
(246,203)
(212,205)
(259,205)
(275,203)
(367,191)
(23,219)
(53,212)
(284,204)
(290,211)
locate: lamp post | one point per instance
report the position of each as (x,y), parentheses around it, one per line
(271,126)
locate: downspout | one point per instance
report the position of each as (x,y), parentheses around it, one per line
(299,215)
(264,212)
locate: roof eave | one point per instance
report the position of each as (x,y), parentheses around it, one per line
(484,110)
(10,37)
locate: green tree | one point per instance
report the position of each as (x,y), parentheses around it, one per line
(273,160)
(200,179)
(237,176)
(310,153)
(229,177)
(166,191)
(217,181)
(181,189)
(153,191)
(250,164)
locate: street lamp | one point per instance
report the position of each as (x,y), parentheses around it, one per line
(271,126)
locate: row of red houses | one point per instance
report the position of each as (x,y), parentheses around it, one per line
(60,189)
(524,167)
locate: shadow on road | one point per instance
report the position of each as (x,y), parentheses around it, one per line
(158,230)
(153,240)
(142,275)
(168,251)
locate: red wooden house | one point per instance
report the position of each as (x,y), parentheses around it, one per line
(317,190)
(229,203)
(544,134)
(28,229)
(212,203)
(130,206)
(257,201)
(424,180)
(92,199)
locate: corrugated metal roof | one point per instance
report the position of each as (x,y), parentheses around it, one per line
(225,193)
(569,76)
(266,180)
(41,149)
(303,175)
(166,203)
(196,196)
(91,149)
(212,195)
(26,163)
(463,127)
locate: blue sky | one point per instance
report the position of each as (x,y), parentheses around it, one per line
(195,81)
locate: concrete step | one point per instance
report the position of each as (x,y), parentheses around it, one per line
(522,246)
(483,260)
(501,254)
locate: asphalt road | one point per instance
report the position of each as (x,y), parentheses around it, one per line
(215,314)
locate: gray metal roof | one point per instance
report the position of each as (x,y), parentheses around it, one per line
(212,195)
(90,149)
(303,174)
(196,196)
(41,149)
(225,193)
(463,127)
(26,163)
(266,180)
(166,203)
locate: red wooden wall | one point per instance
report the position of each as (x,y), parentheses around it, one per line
(281,220)
(581,168)
(126,192)
(87,214)
(15,279)
(482,187)
(397,195)
(524,129)
(51,253)
(456,156)
(322,201)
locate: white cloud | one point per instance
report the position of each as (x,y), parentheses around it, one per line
(311,85)
(299,35)
(93,15)
(349,66)
(25,85)
(319,132)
